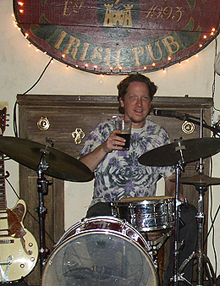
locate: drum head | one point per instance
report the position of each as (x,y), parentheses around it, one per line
(99,258)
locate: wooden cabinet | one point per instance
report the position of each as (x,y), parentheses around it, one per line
(58,116)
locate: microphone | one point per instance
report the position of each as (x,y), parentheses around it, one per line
(168,113)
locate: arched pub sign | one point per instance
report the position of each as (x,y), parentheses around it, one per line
(116,36)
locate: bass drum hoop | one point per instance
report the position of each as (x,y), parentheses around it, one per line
(97,257)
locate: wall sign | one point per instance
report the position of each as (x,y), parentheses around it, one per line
(116,36)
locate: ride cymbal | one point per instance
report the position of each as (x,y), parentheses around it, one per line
(170,154)
(60,165)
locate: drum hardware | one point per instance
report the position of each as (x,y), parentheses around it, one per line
(179,153)
(156,244)
(201,183)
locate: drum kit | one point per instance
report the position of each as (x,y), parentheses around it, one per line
(114,250)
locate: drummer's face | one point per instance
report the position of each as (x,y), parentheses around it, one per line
(137,103)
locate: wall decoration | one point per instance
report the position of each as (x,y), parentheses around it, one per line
(116,36)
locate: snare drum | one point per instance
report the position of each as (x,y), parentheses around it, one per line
(100,251)
(146,213)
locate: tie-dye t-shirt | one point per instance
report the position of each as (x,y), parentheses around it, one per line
(119,174)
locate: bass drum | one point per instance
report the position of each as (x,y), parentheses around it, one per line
(100,251)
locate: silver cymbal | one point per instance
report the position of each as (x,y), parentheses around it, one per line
(29,153)
(170,154)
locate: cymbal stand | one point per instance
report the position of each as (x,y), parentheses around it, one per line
(202,259)
(42,185)
(176,244)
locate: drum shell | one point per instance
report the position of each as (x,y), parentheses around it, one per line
(100,243)
(146,214)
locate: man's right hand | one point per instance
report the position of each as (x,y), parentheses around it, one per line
(114,142)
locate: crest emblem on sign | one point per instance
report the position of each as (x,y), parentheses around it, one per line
(117,17)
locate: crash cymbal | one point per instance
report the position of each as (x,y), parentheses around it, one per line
(29,153)
(192,150)
(199,180)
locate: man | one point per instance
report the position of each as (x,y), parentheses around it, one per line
(118,174)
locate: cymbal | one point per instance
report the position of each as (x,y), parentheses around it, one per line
(199,180)
(29,153)
(192,150)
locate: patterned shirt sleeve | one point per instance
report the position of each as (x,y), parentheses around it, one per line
(97,137)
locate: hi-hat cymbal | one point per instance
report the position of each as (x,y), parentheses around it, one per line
(29,153)
(200,180)
(170,154)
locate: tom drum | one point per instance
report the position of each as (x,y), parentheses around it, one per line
(146,213)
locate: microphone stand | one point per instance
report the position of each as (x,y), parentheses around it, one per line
(215,128)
